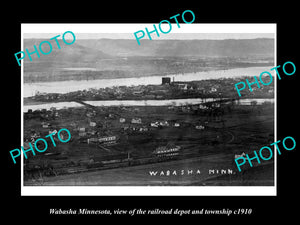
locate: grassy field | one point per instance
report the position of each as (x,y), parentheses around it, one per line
(200,171)
(243,129)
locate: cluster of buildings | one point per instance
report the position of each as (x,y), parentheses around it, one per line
(45,117)
(93,133)
(92,130)
(108,130)
(45,114)
(166,90)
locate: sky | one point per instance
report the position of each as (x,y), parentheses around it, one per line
(126,31)
(178,36)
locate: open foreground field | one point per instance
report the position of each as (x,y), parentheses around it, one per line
(206,155)
(213,170)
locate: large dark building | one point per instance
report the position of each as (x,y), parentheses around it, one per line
(166,80)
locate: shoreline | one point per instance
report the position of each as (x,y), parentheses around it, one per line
(64,87)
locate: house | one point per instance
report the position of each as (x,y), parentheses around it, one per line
(92,140)
(143,129)
(82,132)
(176,125)
(108,140)
(199,127)
(136,120)
(53,131)
(82,129)
(164,151)
(183,86)
(122,120)
(55,113)
(92,124)
(45,125)
(155,124)
(164,123)
(213,89)
(203,107)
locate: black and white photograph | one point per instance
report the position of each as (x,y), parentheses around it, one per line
(152,112)
(163,113)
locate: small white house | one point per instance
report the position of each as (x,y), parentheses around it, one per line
(81,129)
(136,120)
(154,124)
(199,127)
(92,124)
(176,125)
(45,125)
(203,107)
(213,89)
(52,131)
(92,140)
(164,123)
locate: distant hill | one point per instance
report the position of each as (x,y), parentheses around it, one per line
(229,47)
(107,58)
(88,51)
(67,56)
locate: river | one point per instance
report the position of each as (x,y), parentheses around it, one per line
(29,89)
(177,102)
